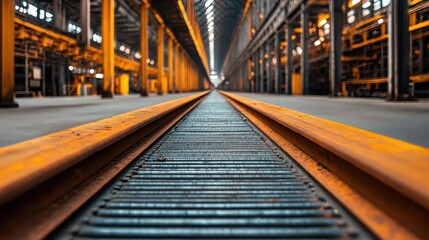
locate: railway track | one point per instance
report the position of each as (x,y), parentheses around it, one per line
(217,171)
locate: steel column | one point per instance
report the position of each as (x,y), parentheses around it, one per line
(7,49)
(144,43)
(399,50)
(85,16)
(160,58)
(289,63)
(108,47)
(59,16)
(261,70)
(176,68)
(256,73)
(304,47)
(268,66)
(277,65)
(182,71)
(170,65)
(336,13)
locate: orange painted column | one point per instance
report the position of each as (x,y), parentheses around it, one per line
(176,67)
(170,65)
(7,49)
(187,75)
(160,58)
(108,47)
(183,79)
(144,48)
(181,63)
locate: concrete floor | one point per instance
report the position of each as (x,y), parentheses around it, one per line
(407,121)
(40,116)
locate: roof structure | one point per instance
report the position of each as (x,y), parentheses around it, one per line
(226,15)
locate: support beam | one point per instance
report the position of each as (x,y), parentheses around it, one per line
(85,16)
(60,15)
(182,71)
(277,61)
(304,47)
(160,58)
(7,59)
(108,47)
(170,65)
(289,62)
(186,74)
(399,50)
(336,13)
(144,48)
(261,70)
(256,73)
(176,67)
(267,67)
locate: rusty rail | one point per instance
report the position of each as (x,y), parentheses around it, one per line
(383,181)
(51,176)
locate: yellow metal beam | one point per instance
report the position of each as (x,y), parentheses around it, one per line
(160,58)
(144,22)
(7,48)
(198,45)
(108,47)
(170,65)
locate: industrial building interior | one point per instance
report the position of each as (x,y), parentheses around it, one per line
(210,119)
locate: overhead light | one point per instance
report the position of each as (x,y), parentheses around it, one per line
(323,22)
(317,42)
(209,9)
(299,50)
(274,61)
(210,14)
(91,71)
(208,3)
(213,72)
(366,4)
(99,75)
(211,37)
(71,68)
(122,48)
(354,2)
(380,21)
(137,55)
(127,50)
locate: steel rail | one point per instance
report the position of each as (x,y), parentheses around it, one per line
(198,182)
(383,181)
(48,178)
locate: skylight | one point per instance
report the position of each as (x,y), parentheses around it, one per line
(209,4)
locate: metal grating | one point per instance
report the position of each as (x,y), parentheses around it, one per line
(213,176)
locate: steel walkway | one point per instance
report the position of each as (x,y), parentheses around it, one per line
(213,176)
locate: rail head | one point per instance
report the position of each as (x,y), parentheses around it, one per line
(27,164)
(355,155)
